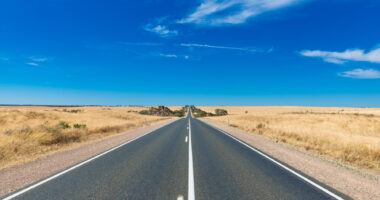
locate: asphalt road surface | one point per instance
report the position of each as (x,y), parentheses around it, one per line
(186,159)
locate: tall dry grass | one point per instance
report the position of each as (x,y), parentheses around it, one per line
(347,135)
(27,133)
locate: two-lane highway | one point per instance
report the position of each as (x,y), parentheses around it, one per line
(186,158)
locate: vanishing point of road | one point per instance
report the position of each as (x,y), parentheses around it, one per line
(187,159)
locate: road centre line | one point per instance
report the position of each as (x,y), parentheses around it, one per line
(191,193)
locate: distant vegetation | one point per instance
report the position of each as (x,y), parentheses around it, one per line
(348,135)
(201,113)
(220,112)
(164,111)
(29,132)
(80,126)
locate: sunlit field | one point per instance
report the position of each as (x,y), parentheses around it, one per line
(347,135)
(27,133)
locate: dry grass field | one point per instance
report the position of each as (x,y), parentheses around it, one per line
(347,135)
(27,133)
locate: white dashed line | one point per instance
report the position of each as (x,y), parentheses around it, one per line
(191,193)
(180,197)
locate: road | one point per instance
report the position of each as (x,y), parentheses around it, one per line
(186,158)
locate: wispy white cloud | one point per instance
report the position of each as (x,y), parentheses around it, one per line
(216,12)
(168,55)
(224,47)
(361,74)
(334,60)
(32,63)
(347,55)
(174,56)
(4,58)
(161,30)
(38,59)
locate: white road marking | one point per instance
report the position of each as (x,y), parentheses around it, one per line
(75,166)
(180,197)
(186,139)
(281,165)
(191,193)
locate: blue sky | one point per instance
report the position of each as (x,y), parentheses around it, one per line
(174,52)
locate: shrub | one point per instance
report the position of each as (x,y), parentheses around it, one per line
(200,113)
(144,112)
(79,126)
(220,112)
(259,126)
(72,111)
(179,113)
(63,125)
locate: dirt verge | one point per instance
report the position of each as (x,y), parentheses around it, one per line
(350,181)
(15,178)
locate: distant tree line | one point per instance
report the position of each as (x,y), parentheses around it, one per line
(164,111)
(201,113)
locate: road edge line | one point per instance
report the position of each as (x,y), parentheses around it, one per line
(191,192)
(38,183)
(279,164)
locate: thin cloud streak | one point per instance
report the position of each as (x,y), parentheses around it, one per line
(174,56)
(347,55)
(168,55)
(32,64)
(223,47)
(39,59)
(161,30)
(361,74)
(213,12)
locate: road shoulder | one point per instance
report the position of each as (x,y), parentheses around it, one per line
(12,179)
(356,184)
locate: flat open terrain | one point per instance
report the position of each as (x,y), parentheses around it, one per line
(30,132)
(190,158)
(347,135)
(186,159)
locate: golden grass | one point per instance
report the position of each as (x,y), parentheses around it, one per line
(347,135)
(27,133)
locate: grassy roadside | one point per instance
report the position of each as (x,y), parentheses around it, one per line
(28,133)
(347,135)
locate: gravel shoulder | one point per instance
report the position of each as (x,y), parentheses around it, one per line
(12,179)
(350,181)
